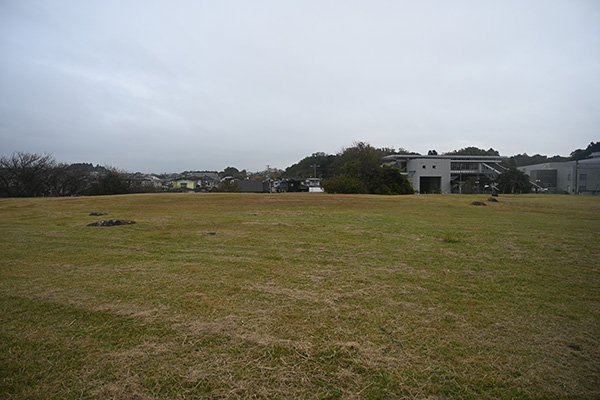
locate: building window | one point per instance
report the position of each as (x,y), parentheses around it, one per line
(184,185)
(582,177)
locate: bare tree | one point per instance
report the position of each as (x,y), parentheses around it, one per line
(113,182)
(25,175)
(68,180)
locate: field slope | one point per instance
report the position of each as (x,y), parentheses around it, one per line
(300,296)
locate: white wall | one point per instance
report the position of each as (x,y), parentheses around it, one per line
(425,167)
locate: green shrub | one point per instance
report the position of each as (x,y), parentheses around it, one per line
(344,185)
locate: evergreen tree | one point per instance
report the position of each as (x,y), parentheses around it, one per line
(514,181)
(305,168)
(473,151)
(363,173)
(344,185)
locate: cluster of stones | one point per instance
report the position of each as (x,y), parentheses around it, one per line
(109,222)
(112,222)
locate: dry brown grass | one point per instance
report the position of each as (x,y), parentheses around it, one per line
(300,296)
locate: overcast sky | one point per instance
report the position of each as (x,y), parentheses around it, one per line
(167,86)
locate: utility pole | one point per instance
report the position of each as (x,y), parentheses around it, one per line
(577,177)
(315,169)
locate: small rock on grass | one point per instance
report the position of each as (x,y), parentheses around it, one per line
(478,203)
(112,222)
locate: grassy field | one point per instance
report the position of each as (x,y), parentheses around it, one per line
(300,296)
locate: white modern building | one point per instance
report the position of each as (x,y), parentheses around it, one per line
(448,174)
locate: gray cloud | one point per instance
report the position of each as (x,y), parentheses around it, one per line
(198,84)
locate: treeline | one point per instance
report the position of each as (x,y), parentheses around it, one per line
(33,175)
(521,160)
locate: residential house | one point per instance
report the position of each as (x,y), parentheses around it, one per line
(206,183)
(291,185)
(185,184)
(313,185)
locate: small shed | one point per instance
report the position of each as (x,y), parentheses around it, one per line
(253,186)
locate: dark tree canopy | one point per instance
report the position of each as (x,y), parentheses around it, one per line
(387,180)
(580,154)
(234,173)
(360,159)
(514,181)
(305,168)
(521,160)
(363,173)
(473,151)
(344,185)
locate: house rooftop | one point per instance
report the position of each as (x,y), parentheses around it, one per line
(185,179)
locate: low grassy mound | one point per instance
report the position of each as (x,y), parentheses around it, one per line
(300,296)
